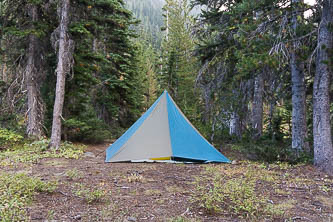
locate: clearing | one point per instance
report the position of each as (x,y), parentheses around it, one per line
(87,189)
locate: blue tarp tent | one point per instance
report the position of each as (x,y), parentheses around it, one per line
(163,133)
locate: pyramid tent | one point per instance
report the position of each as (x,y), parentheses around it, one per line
(163,133)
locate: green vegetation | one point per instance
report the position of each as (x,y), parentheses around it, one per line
(182,219)
(34,152)
(149,12)
(16,192)
(8,138)
(270,151)
(89,195)
(103,92)
(239,191)
(74,174)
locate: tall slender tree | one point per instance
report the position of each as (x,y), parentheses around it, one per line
(179,64)
(33,72)
(257,105)
(323,148)
(299,128)
(65,62)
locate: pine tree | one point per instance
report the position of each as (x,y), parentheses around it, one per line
(102,91)
(179,64)
(24,34)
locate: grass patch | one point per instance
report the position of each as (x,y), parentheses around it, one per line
(34,152)
(182,219)
(284,206)
(151,192)
(16,192)
(236,191)
(74,174)
(9,138)
(175,189)
(89,195)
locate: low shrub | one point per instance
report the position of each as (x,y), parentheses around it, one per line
(234,192)
(8,138)
(91,131)
(271,151)
(34,152)
(74,174)
(16,192)
(89,194)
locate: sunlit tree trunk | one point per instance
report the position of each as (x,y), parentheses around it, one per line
(299,129)
(323,149)
(63,67)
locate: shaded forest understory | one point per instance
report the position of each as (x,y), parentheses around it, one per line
(78,186)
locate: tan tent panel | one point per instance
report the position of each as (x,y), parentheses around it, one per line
(151,140)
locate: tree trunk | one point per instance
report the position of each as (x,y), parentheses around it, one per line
(257,106)
(299,129)
(323,149)
(63,67)
(35,106)
(234,125)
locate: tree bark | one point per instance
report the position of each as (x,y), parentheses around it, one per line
(63,67)
(257,106)
(35,111)
(299,129)
(235,125)
(323,149)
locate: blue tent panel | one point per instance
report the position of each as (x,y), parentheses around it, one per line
(186,142)
(115,147)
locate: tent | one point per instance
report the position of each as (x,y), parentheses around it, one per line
(163,133)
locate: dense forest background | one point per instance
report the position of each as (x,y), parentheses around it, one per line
(252,74)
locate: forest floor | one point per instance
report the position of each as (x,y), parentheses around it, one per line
(87,189)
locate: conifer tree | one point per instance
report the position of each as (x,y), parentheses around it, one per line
(103,91)
(24,35)
(179,64)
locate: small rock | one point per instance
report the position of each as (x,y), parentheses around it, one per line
(89,154)
(77,217)
(131,219)
(234,162)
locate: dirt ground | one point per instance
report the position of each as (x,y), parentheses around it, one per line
(135,191)
(156,191)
